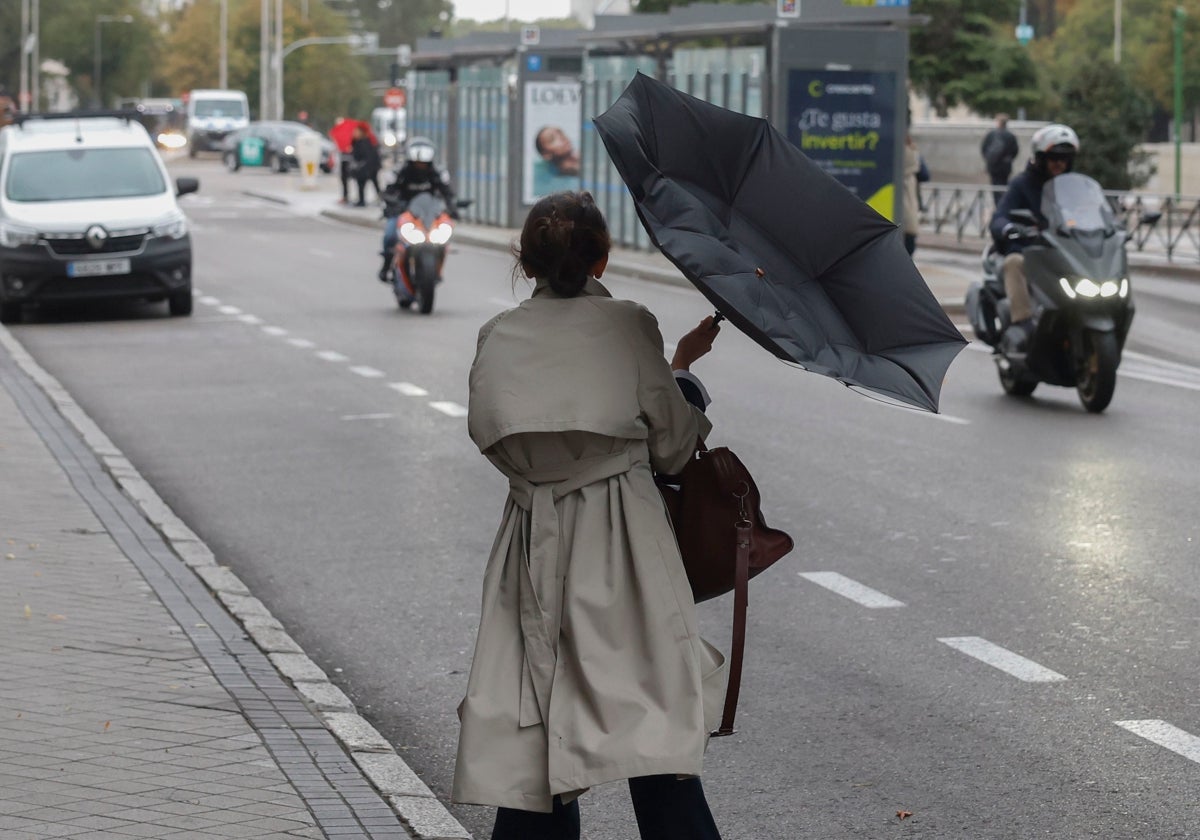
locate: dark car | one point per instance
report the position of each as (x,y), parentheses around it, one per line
(279,146)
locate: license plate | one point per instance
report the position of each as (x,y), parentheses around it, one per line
(97,268)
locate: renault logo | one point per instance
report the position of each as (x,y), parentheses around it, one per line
(96,236)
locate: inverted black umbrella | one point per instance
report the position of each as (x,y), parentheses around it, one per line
(785,252)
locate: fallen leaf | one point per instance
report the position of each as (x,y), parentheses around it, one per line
(10,556)
(28,612)
(57,617)
(33,545)
(107,724)
(904,814)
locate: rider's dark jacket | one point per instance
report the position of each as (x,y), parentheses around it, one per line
(1024,193)
(413,180)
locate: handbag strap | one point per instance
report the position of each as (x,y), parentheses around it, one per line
(741,600)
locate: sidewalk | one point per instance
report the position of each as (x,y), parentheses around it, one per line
(133,704)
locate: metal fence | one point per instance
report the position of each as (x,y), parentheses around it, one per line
(482,162)
(1164,225)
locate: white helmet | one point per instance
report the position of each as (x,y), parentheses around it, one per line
(1055,138)
(420,150)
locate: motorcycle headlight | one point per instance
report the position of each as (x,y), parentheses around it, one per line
(14,236)
(440,235)
(1086,288)
(174,226)
(411,234)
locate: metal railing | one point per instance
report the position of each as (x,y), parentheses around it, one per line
(1162,225)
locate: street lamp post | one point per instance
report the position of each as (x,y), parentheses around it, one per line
(1180,16)
(96,58)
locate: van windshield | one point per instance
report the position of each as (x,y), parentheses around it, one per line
(76,174)
(219,108)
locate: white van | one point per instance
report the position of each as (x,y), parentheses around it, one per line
(88,212)
(212,115)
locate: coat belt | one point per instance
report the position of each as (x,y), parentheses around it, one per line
(542,575)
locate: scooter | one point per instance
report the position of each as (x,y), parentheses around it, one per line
(1077,272)
(423,230)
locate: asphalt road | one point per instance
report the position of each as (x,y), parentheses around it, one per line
(991,619)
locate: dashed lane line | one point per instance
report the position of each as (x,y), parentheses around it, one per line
(331,356)
(450,408)
(247,318)
(408,389)
(302,343)
(382,415)
(209,300)
(1003,659)
(229,310)
(852,589)
(275,331)
(367,372)
(1165,735)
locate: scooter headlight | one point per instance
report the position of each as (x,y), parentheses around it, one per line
(1067,288)
(1124,290)
(411,234)
(1109,288)
(1086,288)
(440,235)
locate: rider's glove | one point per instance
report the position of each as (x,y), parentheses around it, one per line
(1011,231)
(453,214)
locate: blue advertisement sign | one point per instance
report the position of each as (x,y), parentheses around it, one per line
(845,121)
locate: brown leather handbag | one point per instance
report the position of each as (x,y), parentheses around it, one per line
(715,510)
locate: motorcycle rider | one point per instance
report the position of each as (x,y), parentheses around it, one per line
(418,174)
(1054,148)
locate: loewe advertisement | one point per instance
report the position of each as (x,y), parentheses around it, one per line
(845,121)
(551,144)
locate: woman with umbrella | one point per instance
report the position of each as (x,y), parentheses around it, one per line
(588,664)
(366,163)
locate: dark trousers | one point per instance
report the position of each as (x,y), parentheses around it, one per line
(998,179)
(666,809)
(373,180)
(344,172)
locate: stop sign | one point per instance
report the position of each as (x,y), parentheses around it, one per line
(394,98)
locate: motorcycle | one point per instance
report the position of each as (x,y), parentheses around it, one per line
(423,230)
(1077,272)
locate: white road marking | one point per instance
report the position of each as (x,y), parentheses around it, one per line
(368,372)
(450,408)
(1165,735)
(209,300)
(275,331)
(408,389)
(1005,660)
(250,319)
(302,343)
(852,589)
(332,356)
(229,310)
(320,252)
(380,416)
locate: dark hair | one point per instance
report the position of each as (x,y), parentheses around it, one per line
(564,236)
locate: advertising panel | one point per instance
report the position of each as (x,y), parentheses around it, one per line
(553,113)
(845,121)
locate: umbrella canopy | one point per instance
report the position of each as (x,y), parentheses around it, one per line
(784,251)
(342,133)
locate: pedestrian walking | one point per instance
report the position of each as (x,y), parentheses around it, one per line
(915,174)
(588,664)
(366,164)
(999,150)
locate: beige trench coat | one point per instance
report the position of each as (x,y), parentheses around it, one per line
(588,666)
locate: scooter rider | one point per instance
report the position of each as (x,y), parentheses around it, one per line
(418,174)
(1054,148)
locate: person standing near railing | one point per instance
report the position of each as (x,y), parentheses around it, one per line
(999,149)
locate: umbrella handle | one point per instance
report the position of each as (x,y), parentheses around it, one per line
(718,318)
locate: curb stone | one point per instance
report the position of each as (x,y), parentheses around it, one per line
(415,804)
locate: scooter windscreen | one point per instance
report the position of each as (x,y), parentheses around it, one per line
(1074,202)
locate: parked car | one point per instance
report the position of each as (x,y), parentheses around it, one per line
(279,146)
(88,211)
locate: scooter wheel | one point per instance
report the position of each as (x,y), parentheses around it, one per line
(1097,378)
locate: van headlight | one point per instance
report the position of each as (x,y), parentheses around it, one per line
(174,226)
(15,236)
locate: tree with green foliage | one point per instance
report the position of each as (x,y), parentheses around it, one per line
(968,54)
(1110,114)
(326,80)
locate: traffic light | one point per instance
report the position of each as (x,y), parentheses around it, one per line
(397,74)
